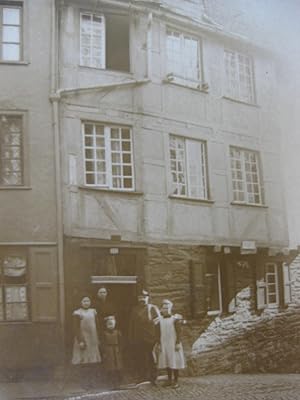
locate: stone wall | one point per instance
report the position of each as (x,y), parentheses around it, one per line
(245,340)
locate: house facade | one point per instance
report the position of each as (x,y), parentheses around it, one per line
(171,166)
(30,320)
(159,167)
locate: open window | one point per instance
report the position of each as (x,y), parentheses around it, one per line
(104,41)
(213,288)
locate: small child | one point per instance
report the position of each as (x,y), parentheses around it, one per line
(170,355)
(111,350)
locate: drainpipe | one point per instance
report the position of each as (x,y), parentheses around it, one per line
(149,45)
(59,199)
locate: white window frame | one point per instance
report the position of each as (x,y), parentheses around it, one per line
(247,195)
(287,283)
(20,116)
(19,7)
(4,286)
(234,78)
(186,163)
(103,42)
(108,157)
(183,70)
(219,283)
(275,284)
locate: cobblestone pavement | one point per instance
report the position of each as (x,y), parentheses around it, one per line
(220,387)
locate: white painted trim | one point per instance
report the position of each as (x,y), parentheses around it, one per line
(128,280)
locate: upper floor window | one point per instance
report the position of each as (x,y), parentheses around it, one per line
(188,167)
(183,55)
(108,156)
(245,176)
(11,150)
(14,286)
(104,41)
(10,32)
(239,76)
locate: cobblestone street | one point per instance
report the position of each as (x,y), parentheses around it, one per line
(221,387)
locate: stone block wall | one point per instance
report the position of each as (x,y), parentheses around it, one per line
(244,340)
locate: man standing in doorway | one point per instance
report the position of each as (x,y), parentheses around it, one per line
(142,336)
(104,307)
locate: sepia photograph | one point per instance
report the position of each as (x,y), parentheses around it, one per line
(149,199)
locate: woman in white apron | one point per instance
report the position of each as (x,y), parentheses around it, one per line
(170,354)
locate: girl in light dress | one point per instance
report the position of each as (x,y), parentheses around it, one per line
(170,350)
(86,342)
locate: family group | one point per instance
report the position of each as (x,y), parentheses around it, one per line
(153,339)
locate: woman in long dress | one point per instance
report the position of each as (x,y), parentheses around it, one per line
(170,354)
(86,342)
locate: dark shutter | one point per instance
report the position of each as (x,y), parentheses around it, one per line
(198,268)
(260,285)
(229,285)
(43,261)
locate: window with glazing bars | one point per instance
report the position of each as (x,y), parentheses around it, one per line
(271,276)
(13,287)
(183,55)
(108,156)
(188,167)
(10,32)
(11,152)
(92,40)
(245,176)
(239,76)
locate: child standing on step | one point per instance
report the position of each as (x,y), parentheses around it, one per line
(112,351)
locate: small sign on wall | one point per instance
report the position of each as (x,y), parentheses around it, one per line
(114,251)
(248,247)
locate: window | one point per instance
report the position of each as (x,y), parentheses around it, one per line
(11,150)
(239,76)
(183,58)
(287,283)
(245,176)
(104,41)
(188,167)
(108,156)
(13,286)
(267,286)
(213,288)
(10,32)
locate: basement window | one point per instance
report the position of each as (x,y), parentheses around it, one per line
(104,41)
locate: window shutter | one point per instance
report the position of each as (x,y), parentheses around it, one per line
(43,262)
(287,283)
(198,269)
(230,290)
(260,286)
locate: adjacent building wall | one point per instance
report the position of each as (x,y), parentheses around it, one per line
(28,212)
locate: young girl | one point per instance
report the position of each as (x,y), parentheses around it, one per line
(170,355)
(111,349)
(86,343)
